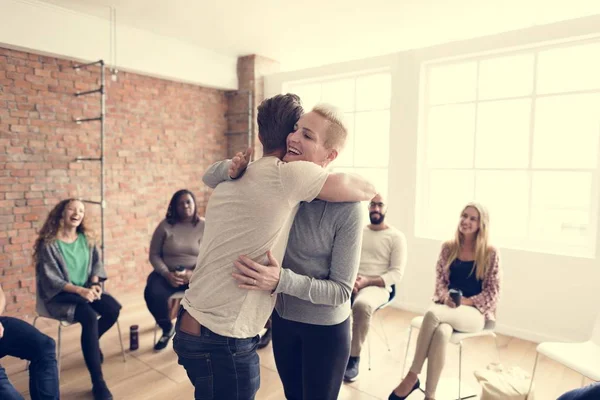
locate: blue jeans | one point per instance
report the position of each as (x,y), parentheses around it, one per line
(591,392)
(219,367)
(24,341)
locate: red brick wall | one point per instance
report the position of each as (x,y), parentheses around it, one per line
(160,137)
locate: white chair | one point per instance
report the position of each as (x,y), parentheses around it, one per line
(41,311)
(583,358)
(456,338)
(177,296)
(385,339)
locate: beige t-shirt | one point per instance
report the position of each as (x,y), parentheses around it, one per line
(247,216)
(383,254)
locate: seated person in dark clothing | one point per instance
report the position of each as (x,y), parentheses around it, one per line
(19,339)
(591,392)
(173,253)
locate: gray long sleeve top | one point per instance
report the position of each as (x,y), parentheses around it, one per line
(321,260)
(320,263)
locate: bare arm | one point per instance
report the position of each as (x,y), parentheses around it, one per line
(341,187)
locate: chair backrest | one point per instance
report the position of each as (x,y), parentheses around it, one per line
(40,307)
(392,295)
(596,332)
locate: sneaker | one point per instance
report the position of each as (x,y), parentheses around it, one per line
(265,339)
(351,373)
(164,339)
(100,391)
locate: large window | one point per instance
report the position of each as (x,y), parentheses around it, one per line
(517,131)
(365,100)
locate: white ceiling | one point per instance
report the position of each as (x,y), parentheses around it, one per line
(307,33)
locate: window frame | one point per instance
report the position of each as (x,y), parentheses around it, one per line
(423,227)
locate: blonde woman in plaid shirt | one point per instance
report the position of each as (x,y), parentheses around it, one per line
(467,263)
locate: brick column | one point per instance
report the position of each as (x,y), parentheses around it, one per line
(251,71)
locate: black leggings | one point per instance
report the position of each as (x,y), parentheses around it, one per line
(157,293)
(92,327)
(311,359)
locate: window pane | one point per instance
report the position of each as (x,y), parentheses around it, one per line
(372,138)
(561,215)
(452,83)
(450,133)
(346,156)
(506,77)
(449,191)
(569,68)
(503,134)
(373,92)
(566,132)
(506,196)
(339,93)
(310,94)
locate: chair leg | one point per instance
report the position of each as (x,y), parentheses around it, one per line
(459,367)
(121,340)
(497,349)
(406,352)
(537,355)
(385,338)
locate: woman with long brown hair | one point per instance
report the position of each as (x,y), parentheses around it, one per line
(69,275)
(469,265)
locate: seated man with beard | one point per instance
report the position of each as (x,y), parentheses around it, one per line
(382,263)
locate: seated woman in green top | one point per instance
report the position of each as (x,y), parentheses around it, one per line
(69,275)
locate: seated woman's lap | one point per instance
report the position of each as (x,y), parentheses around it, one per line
(462,319)
(106,306)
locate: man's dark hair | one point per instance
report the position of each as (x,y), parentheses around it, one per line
(276,119)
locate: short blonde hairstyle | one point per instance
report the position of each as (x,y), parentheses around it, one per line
(335,137)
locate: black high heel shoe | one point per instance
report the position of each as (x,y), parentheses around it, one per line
(394,396)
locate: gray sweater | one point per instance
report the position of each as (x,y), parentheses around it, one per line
(320,264)
(321,259)
(52,276)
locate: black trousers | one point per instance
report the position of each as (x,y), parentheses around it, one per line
(92,327)
(311,359)
(157,293)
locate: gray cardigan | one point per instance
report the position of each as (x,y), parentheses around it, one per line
(52,276)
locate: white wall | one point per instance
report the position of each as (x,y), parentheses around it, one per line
(544,297)
(48,29)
